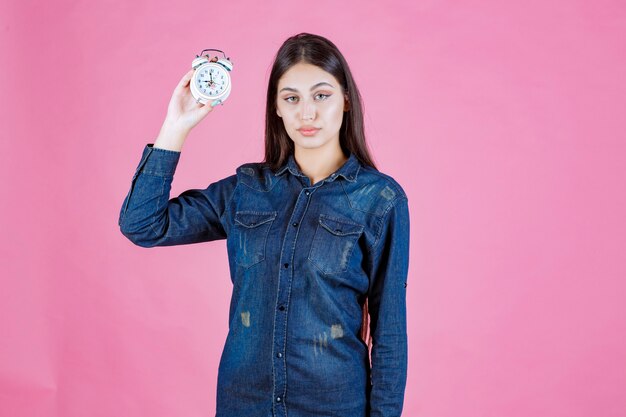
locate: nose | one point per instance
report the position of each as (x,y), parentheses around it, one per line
(308,111)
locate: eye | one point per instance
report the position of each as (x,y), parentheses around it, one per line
(324,97)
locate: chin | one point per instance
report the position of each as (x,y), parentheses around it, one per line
(310,142)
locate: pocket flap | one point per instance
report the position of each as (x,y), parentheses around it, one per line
(254,218)
(338,227)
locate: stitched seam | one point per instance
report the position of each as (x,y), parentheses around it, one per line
(163,150)
(380,223)
(342,221)
(399,193)
(157,209)
(227,206)
(356,172)
(264,246)
(256,189)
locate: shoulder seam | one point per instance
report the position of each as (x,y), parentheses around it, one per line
(230,199)
(391,205)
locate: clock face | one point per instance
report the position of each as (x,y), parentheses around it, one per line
(212,79)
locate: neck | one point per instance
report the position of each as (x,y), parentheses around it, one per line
(319,163)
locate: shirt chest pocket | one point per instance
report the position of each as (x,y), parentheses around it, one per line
(250,236)
(333,244)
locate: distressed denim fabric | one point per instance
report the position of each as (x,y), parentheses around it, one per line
(302,259)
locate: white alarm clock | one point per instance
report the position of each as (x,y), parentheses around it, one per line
(211,78)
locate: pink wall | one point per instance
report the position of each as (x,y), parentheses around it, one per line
(504,122)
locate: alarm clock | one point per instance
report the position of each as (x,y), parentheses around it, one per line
(211,78)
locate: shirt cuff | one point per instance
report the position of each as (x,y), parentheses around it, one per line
(158,161)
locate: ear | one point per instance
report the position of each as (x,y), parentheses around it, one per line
(278,113)
(346,105)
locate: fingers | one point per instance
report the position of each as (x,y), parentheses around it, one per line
(208,107)
(204,109)
(210,103)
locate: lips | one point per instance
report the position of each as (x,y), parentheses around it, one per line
(308,131)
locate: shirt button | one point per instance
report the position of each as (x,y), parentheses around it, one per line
(295,224)
(307,192)
(278,399)
(286,265)
(280,355)
(281,308)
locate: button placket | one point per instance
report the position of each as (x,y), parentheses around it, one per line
(282,301)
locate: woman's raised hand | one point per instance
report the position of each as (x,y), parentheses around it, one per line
(183,111)
(183,114)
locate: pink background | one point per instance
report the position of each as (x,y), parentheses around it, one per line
(502,120)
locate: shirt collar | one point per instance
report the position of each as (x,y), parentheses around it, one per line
(349,170)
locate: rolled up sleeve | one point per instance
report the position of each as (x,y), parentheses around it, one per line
(148,217)
(387,309)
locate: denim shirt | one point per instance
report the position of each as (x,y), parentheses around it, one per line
(302,259)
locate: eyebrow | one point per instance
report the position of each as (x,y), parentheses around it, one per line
(312,88)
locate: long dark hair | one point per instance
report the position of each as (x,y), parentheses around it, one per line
(316,50)
(319,51)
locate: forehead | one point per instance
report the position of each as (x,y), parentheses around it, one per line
(303,76)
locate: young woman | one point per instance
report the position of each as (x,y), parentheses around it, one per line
(316,237)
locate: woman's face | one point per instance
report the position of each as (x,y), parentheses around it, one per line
(308,96)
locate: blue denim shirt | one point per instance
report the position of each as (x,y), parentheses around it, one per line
(302,259)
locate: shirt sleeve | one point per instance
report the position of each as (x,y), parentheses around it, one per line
(387,309)
(148,216)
